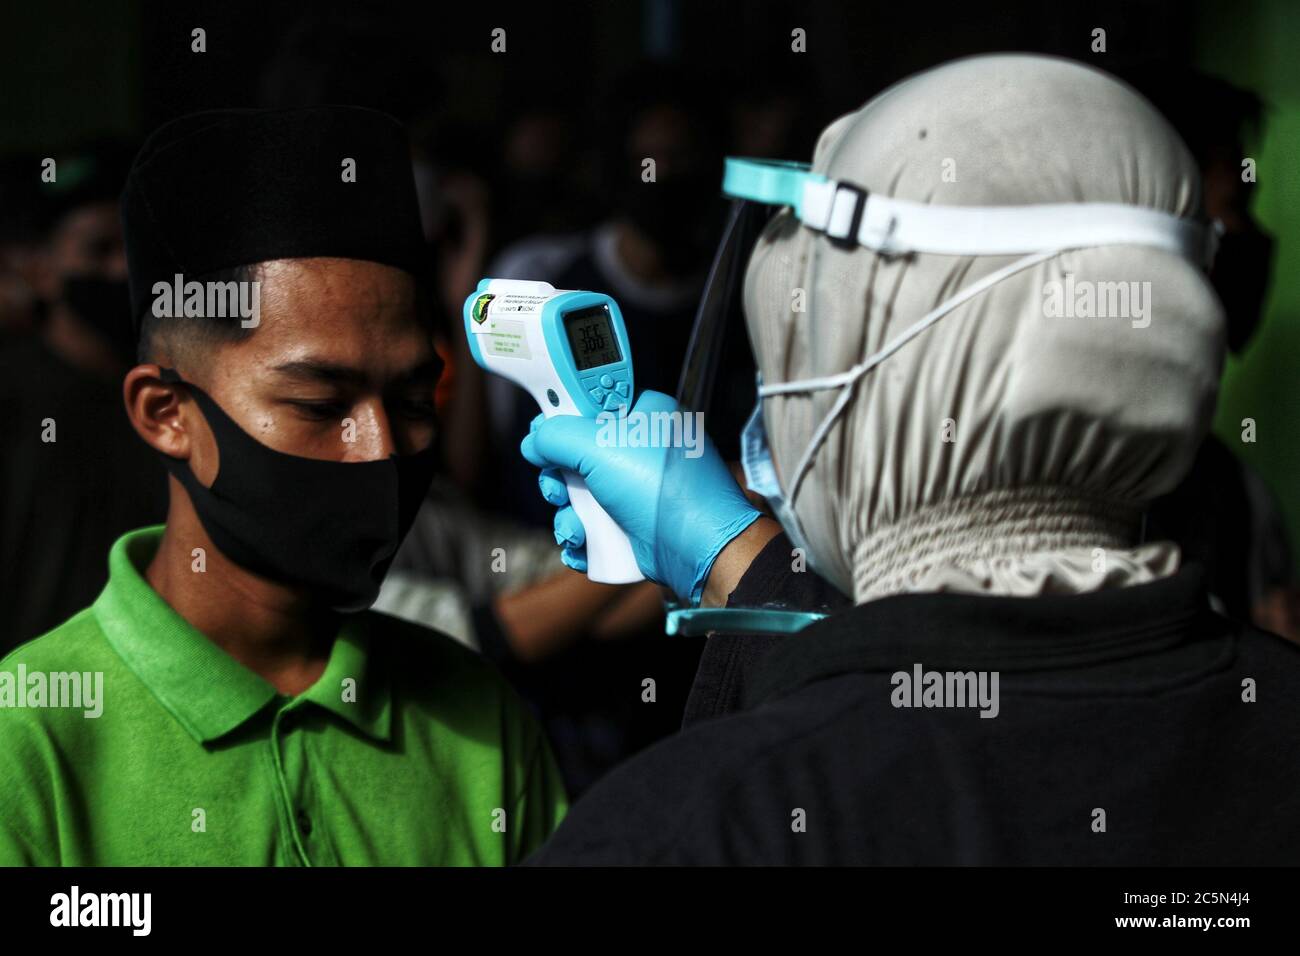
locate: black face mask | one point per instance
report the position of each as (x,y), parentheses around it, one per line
(105,306)
(1240,276)
(331,527)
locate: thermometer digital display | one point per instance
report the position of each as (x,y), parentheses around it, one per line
(591,337)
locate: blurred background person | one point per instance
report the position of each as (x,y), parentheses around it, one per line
(73,478)
(1224,515)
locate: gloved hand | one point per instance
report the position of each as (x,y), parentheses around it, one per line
(679,512)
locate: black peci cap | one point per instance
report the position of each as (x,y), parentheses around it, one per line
(215,190)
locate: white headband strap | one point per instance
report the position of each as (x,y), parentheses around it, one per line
(891,226)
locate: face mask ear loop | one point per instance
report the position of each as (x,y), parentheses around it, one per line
(850,377)
(823,429)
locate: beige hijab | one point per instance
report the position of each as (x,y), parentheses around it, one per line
(1004,450)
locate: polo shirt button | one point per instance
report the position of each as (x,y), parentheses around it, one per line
(304,823)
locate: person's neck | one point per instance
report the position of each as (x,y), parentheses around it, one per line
(273,630)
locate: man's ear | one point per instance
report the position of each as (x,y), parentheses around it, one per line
(154,408)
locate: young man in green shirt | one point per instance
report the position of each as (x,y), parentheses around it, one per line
(227,699)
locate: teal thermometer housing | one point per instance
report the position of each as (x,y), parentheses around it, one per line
(569,350)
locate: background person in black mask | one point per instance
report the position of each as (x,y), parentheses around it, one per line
(72,476)
(87,288)
(300,438)
(1223,514)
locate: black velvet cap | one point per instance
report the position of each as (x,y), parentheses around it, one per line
(227,188)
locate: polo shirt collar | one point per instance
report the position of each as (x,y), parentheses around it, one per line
(206,690)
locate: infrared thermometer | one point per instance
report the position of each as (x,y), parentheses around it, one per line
(569,351)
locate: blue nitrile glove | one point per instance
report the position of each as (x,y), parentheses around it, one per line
(679,512)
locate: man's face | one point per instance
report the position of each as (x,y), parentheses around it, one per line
(340,368)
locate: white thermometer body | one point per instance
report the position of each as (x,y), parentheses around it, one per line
(569,351)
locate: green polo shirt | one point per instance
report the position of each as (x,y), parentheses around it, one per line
(409,750)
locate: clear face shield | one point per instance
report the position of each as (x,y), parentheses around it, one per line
(718,373)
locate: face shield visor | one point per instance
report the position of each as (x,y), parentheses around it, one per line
(849,215)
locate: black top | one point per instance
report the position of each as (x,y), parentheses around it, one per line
(1121,736)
